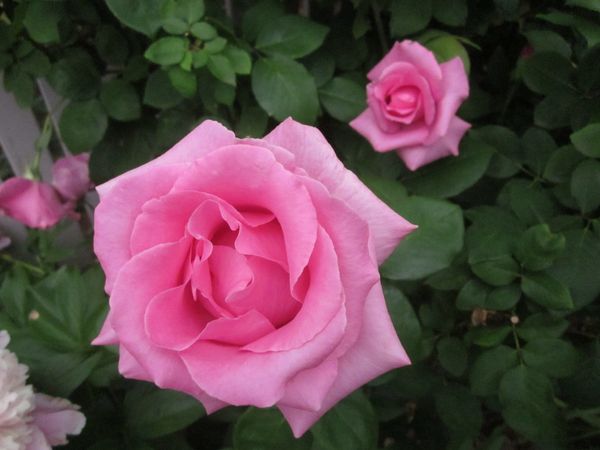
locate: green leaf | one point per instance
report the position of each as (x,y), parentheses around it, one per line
(152,412)
(405,321)
(488,336)
(252,122)
(185,82)
(561,164)
(497,270)
(541,326)
(583,388)
(291,36)
(173,25)
(587,140)
(42,21)
(450,12)
(548,41)
(530,202)
(342,98)
(539,147)
(240,59)
(556,110)
(159,91)
(539,247)
(321,65)
(111,45)
(204,31)
(546,291)
(351,425)
(503,298)
(284,88)
(528,406)
(221,69)
(554,357)
(166,51)
(577,266)
(588,28)
(121,100)
(506,161)
(217,45)
(13,296)
(409,16)
(82,125)
(257,17)
(472,295)
(446,47)
(488,369)
(452,355)
(451,176)
(585,185)
(75,76)
(547,72)
(266,429)
(588,73)
(21,85)
(432,246)
(144,16)
(188,10)
(459,410)
(592,5)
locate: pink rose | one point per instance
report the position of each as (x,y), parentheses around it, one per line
(412,103)
(53,419)
(33,203)
(244,272)
(71,177)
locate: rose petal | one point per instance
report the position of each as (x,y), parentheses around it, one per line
(115,216)
(367,125)
(416,157)
(309,387)
(455,90)
(244,176)
(205,138)
(71,176)
(239,330)
(128,303)
(322,302)
(239,377)
(32,203)
(315,155)
(174,320)
(413,53)
(130,368)
(377,351)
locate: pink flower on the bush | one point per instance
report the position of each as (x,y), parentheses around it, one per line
(33,203)
(42,205)
(71,177)
(31,421)
(412,103)
(245,272)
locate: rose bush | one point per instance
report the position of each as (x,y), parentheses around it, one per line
(412,103)
(244,272)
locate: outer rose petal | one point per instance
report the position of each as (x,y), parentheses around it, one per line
(71,176)
(115,216)
(382,141)
(417,55)
(416,157)
(128,303)
(203,139)
(377,351)
(309,387)
(456,90)
(56,418)
(32,203)
(315,155)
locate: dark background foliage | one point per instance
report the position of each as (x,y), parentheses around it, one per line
(494,296)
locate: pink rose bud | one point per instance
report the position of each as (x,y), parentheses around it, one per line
(71,177)
(412,103)
(245,272)
(33,203)
(54,419)
(526,51)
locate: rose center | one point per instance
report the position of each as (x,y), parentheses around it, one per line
(403,101)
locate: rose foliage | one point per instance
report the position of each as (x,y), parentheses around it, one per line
(478,121)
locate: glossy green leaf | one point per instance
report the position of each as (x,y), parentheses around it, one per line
(166,51)
(452,355)
(144,16)
(409,16)
(343,98)
(587,140)
(266,429)
(82,125)
(585,185)
(291,36)
(121,100)
(554,357)
(546,291)
(489,368)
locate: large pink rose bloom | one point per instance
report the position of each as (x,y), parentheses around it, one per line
(33,203)
(244,272)
(412,103)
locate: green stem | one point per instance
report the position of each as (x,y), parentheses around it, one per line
(25,265)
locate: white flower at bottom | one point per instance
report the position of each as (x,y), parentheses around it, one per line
(31,421)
